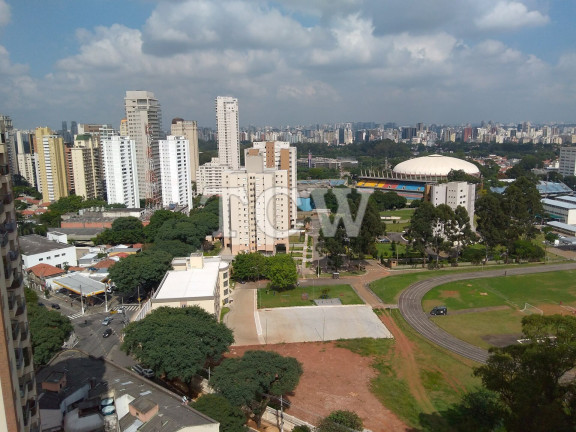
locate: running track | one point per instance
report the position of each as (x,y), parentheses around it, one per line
(410,305)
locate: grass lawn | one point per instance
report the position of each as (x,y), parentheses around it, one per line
(403,213)
(396,227)
(293,297)
(385,249)
(543,288)
(445,376)
(498,322)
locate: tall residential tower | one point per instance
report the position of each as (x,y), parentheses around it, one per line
(228,131)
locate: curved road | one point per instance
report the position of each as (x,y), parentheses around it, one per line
(410,305)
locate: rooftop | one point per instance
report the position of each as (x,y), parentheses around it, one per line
(560,204)
(36,244)
(78,283)
(45,270)
(108,380)
(190,283)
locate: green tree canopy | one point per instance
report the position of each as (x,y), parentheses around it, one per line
(127,229)
(341,421)
(530,378)
(176,248)
(145,269)
(281,271)
(249,382)
(177,342)
(388,200)
(249,266)
(215,406)
(157,220)
(48,329)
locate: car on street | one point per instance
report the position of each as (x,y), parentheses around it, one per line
(148,373)
(55,306)
(439,310)
(107,333)
(106,321)
(120,309)
(41,304)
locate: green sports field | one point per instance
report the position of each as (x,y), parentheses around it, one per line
(487,312)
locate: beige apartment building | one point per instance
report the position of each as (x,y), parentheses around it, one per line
(86,166)
(51,165)
(188,129)
(256,207)
(18,405)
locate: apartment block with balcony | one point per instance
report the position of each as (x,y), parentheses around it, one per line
(18,406)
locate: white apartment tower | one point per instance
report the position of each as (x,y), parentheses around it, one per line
(455,194)
(280,156)
(144,124)
(567,166)
(209,178)
(25,156)
(228,131)
(256,208)
(188,129)
(121,171)
(175,172)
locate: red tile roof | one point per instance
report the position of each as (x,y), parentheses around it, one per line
(45,270)
(107,263)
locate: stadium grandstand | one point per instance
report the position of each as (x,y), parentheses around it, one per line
(410,178)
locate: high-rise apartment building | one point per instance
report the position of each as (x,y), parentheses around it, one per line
(51,165)
(188,129)
(121,171)
(228,131)
(209,178)
(86,166)
(454,194)
(567,164)
(144,126)
(6,124)
(18,406)
(175,171)
(281,156)
(25,156)
(256,208)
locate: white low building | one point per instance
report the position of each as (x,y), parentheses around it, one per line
(562,208)
(195,281)
(37,249)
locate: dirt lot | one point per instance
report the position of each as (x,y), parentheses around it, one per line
(334,378)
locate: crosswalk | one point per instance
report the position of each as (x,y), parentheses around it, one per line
(76,315)
(127,308)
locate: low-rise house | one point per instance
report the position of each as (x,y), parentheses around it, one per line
(41,276)
(195,280)
(37,249)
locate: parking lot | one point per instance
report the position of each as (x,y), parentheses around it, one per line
(318,323)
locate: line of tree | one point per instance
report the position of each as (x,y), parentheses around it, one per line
(49,329)
(279,269)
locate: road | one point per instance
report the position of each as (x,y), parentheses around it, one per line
(410,305)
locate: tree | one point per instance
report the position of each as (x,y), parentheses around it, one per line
(48,329)
(176,248)
(479,411)
(249,266)
(215,406)
(491,219)
(157,220)
(530,378)
(177,342)
(420,231)
(145,269)
(462,233)
(341,421)
(123,230)
(281,271)
(523,206)
(335,246)
(251,381)
(388,200)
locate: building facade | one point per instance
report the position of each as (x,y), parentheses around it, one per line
(209,178)
(144,126)
(228,131)
(188,129)
(18,405)
(121,171)
(281,156)
(175,172)
(567,165)
(86,166)
(51,165)
(454,194)
(256,208)
(25,156)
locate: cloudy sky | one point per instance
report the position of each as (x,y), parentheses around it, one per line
(290,61)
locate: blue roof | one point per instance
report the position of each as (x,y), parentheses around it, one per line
(567,198)
(557,203)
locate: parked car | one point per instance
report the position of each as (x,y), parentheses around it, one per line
(55,306)
(107,333)
(148,373)
(439,310)
(41,304)
(106,321)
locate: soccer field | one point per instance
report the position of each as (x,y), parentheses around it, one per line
(488,312)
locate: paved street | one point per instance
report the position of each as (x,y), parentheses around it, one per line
(410,305)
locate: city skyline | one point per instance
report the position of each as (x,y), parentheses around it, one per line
(290,62)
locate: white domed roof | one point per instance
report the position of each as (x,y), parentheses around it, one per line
(435,165)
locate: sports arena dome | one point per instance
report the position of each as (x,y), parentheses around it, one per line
(435,166)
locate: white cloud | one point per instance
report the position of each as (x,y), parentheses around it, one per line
(4,13)
(508,15)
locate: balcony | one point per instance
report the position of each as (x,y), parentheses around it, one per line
(21,308)
(17,281)
(24,331)
(7,269)
(15,329)
(7,198)
(14,254)
(10,226)
(19,355)
(4,170)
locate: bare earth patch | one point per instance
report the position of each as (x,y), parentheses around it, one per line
(551,309)
(450,294)
(334,378)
